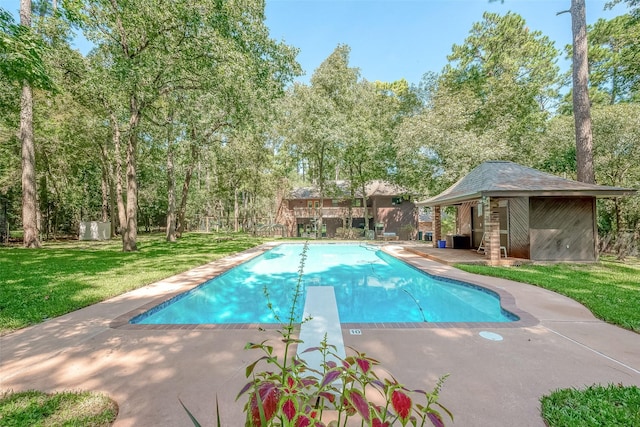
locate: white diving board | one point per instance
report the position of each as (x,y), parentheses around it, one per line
(320,305)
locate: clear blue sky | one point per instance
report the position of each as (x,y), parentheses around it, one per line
(393,39)
(390,40)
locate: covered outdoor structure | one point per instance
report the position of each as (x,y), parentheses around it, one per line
(506,208)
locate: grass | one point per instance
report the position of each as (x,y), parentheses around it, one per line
(34,408)
(594,406)
(38,284)
(610,288)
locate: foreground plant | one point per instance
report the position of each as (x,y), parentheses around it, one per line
(290,393)
(296,395)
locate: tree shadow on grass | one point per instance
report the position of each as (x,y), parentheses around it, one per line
(45,283)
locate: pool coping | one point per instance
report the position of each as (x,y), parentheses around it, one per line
(218,267)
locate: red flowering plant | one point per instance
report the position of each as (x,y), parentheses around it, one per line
(288,392)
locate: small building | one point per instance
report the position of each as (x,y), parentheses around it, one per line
(390,210)
(505,208)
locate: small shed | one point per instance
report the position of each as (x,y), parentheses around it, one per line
(506,208)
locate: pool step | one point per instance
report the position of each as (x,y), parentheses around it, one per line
(320,305)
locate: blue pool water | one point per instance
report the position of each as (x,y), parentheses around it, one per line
(370,286)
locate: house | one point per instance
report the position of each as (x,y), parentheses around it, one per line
(390,211)
(505,208)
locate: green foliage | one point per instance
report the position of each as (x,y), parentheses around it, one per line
(490,103)
(63,277)
(510,70)
(613,52)
(36,409)
(22,52)
(610,289)
(210,72)
(342,127)
(615,136)
(597,405)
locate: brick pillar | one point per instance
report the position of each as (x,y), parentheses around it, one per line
(437,226)
(492,231)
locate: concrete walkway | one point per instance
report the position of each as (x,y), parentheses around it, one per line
(498,383)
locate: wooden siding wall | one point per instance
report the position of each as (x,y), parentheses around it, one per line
(519,227)
(477,227)
(562,229)
(463,219)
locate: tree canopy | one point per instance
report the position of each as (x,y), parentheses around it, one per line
(188,115)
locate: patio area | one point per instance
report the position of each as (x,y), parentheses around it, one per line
(557,344)
(451,256)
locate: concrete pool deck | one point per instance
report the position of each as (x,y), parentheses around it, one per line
(495,383)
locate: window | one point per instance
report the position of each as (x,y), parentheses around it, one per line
(335,203)
(357,202)
(316,204)
(396,200)
(309,204)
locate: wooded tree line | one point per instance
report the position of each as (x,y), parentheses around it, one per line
(185,111)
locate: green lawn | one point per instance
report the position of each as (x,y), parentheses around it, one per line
(38,284)
(610,288)
(595,406)
(35,409)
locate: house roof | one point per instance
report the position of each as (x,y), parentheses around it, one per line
(508,179)
(340,189)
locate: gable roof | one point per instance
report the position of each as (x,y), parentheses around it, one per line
(508,179)
(340,189)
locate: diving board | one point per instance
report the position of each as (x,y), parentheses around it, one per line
(320,305)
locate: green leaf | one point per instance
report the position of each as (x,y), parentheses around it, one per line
(191,417)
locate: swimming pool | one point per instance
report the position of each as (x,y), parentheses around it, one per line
(370,287)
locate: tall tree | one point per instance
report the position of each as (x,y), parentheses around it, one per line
(511,71)
(614,46)
(490,102)
(581,104)
(155,49)
(29,194)
(318,121)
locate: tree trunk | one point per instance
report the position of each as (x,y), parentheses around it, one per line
(130,235)
(171,194)
(185,188)
(122,215)
(581,105)
(236,226)
(29,198)
(364,198)
(364,206)
(171,190)
(321,186)
(112,203)
(104,185)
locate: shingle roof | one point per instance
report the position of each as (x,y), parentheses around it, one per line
(508,179)
(341,189)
